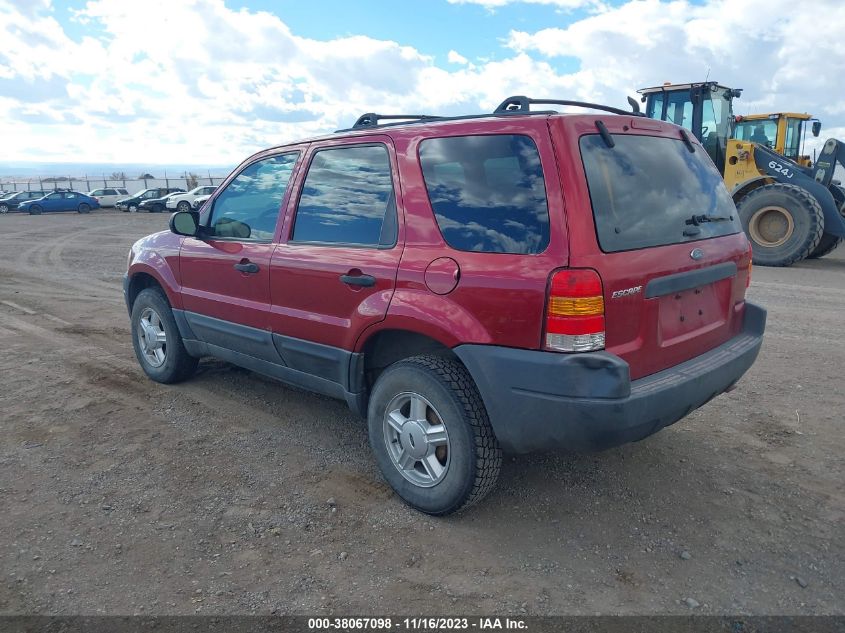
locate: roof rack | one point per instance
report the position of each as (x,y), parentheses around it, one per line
(521,104)
(371,119)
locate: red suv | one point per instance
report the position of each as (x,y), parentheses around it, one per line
(517,281)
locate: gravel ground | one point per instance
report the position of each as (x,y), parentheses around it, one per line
(234,494)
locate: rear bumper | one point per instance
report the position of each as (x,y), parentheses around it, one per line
(543,400)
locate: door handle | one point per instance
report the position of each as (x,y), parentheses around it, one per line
(247,267)
(358,280)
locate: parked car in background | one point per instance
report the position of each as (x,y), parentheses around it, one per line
(199,201)
(60,201)
(11,202)
(108,197)
(156,205)
(132,203)
(184,201)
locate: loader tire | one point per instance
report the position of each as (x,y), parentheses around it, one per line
(783,222)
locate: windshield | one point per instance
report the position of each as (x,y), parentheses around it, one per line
(651,191)
(679,106)
(760,131)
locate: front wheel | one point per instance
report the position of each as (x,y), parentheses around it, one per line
(4,208)
(430,435)
(783,222)
(84,208)
(133,208)
(156,339)
(183,205)
(35,210)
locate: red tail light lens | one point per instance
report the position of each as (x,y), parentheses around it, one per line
(575,312)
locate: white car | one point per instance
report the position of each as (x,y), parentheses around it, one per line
(109,197)
(184,201)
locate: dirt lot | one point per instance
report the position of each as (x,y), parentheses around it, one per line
(123,496)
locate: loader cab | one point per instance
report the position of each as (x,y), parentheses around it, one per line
(784,132)
(703,108)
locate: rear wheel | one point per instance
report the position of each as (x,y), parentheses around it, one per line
(430,435)
(35,210)
(156,339)
(783,222)
(85,208)
(826,245)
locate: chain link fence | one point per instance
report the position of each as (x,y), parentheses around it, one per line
(85,184)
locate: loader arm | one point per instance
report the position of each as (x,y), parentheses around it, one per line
(782,169)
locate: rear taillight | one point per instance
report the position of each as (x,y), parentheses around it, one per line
(575,312)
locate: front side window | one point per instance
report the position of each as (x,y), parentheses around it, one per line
(70,195)
(793,138)
(249,205)
(487,192)
(347,198)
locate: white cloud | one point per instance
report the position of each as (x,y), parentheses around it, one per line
(455,57)
(196,82)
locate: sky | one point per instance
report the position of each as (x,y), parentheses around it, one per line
(208,82)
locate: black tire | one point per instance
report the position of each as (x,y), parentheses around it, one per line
(4,208)
(133,208)
(157,208)
(35,210)
(789,204)
(183,205)
(474,456)
(826,245)
(178,365)
(84,208)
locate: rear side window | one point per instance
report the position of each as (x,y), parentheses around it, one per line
(646,191)
(487,192)
(347,198)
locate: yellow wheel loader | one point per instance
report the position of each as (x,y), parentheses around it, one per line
(790,211)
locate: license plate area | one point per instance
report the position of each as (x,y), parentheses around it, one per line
(689,313)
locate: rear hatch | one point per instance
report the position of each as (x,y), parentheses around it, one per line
(655,220)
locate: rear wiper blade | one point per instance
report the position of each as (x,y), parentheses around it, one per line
(695,220)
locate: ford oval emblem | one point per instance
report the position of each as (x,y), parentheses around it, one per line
(696,253)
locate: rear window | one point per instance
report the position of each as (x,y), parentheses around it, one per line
(646,189)
(487,192)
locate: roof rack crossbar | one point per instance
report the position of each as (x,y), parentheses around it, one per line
(371,119)
(522,105)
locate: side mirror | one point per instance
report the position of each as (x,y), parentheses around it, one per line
(817,127)
(185,223)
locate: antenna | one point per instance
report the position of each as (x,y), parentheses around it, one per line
(708,75)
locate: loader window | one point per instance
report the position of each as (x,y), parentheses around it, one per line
(793,138)
(645,189)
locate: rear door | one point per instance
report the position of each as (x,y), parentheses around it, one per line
(336,272)
(659,226)
(226,275)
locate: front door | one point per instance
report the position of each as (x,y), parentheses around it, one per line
(336,273)
(226,274)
